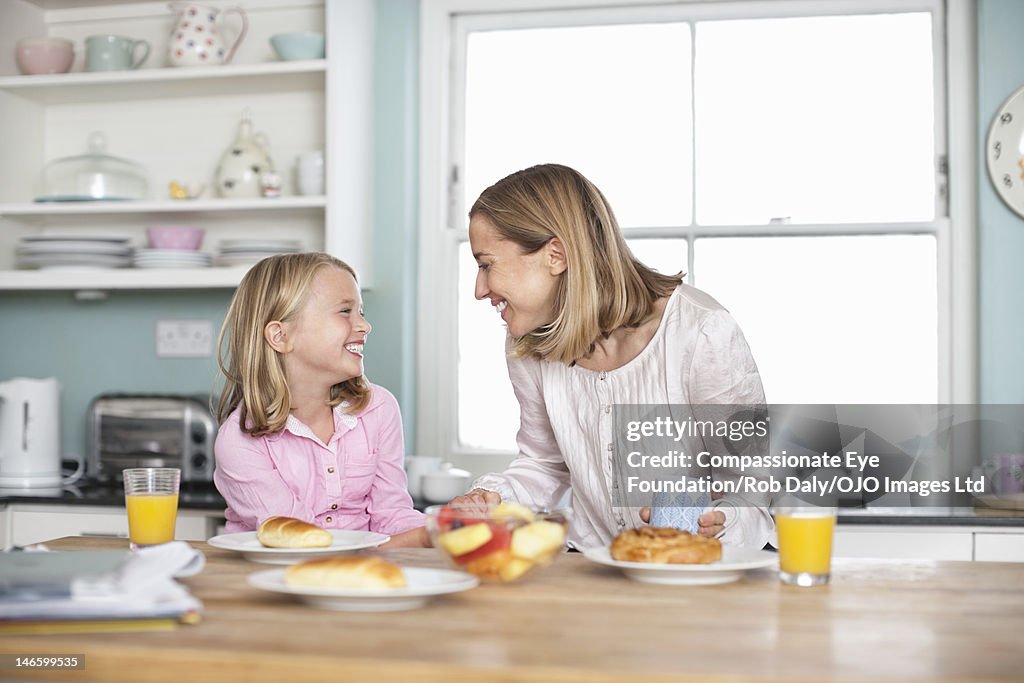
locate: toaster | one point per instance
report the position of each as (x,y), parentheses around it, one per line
(150,430)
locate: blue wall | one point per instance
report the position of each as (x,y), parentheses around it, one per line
(94,347)
(1000,231)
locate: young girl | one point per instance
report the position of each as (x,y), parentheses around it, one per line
(302,433)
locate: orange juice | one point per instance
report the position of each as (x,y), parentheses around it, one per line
(805,542)
(151,517)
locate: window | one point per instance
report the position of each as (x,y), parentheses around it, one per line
(788,156)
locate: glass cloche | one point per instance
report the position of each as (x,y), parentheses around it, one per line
(92,177)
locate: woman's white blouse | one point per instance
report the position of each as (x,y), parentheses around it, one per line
(697,356)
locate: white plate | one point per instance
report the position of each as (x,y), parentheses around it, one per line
(57,260)
(735,561)
(259,245)
(423,584)
(172,253)
(74,247)
(245,542)
(76,238)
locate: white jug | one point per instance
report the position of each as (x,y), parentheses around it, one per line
(244,164)
(196,37)
(30,433)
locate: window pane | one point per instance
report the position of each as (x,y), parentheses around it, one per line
(822,120)
(488,410)
(611,101)
(832,319)
(665,255)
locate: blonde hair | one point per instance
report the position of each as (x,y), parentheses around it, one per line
(604,286)
(276,288)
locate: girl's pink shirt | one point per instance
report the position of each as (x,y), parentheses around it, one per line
(355,481)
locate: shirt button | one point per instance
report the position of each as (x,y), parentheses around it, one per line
(328,520)
(330,470)
(611,447)
(334,507)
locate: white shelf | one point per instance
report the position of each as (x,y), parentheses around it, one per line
(167,82)
(122,278)
(158,207)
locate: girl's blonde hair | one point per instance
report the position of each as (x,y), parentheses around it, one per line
(276,288)
(604,286)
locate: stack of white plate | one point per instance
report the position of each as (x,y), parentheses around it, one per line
(247,252)
(74,251)
(171,258)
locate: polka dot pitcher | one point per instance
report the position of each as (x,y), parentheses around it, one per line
(196,39)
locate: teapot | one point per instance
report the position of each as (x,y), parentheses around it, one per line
(196,37)
(244,164)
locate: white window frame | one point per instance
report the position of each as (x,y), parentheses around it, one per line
(442,226)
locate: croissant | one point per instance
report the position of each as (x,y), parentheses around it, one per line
(346,572)
(288,532)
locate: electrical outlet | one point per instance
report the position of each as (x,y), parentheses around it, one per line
(184,338)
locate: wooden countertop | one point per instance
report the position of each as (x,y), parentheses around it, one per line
(578,621)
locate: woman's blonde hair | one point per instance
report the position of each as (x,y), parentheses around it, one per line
(604,286)
(276,288)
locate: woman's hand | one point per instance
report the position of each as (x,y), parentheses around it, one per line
(710,523)
(477,500)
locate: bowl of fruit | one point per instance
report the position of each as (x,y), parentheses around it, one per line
(503,543)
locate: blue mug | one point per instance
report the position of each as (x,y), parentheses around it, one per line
(679,510)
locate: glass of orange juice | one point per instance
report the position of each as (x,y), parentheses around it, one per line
(805,543)
(151,496)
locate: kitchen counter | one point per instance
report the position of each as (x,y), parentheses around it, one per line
(577,621)
(203,496)
(193,495)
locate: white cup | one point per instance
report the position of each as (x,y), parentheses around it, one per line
(418,465)
(445,484)
(309,173)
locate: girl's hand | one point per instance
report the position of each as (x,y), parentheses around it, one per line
(413,538)
(477,500)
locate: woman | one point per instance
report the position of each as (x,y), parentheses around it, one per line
(591,327)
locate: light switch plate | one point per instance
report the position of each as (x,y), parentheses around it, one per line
(184,338)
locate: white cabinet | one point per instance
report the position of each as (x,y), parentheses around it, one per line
(985,544)
(25,524)
(176,123)
(992,546)
(916,542)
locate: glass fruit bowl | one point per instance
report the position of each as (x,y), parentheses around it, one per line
(502,544)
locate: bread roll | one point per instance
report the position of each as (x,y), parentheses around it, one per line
(288,532)
(665,546)
(345,572)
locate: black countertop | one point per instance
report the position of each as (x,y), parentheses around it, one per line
(203,496)
(192,496)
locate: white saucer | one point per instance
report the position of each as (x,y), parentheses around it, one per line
(735,561)
(245,542)
(423,584)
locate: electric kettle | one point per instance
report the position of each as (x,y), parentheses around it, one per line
(30,433)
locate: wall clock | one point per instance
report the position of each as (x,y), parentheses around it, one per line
(1004,152)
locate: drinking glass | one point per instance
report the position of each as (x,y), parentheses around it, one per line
(805,543)
(151,497)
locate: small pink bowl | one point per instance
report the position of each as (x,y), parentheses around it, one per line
(174,237)
(44,55)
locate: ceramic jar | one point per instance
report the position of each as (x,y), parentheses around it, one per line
(244,163)
(197,39)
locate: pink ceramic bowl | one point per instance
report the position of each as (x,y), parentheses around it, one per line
(174,236)
(44,55)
